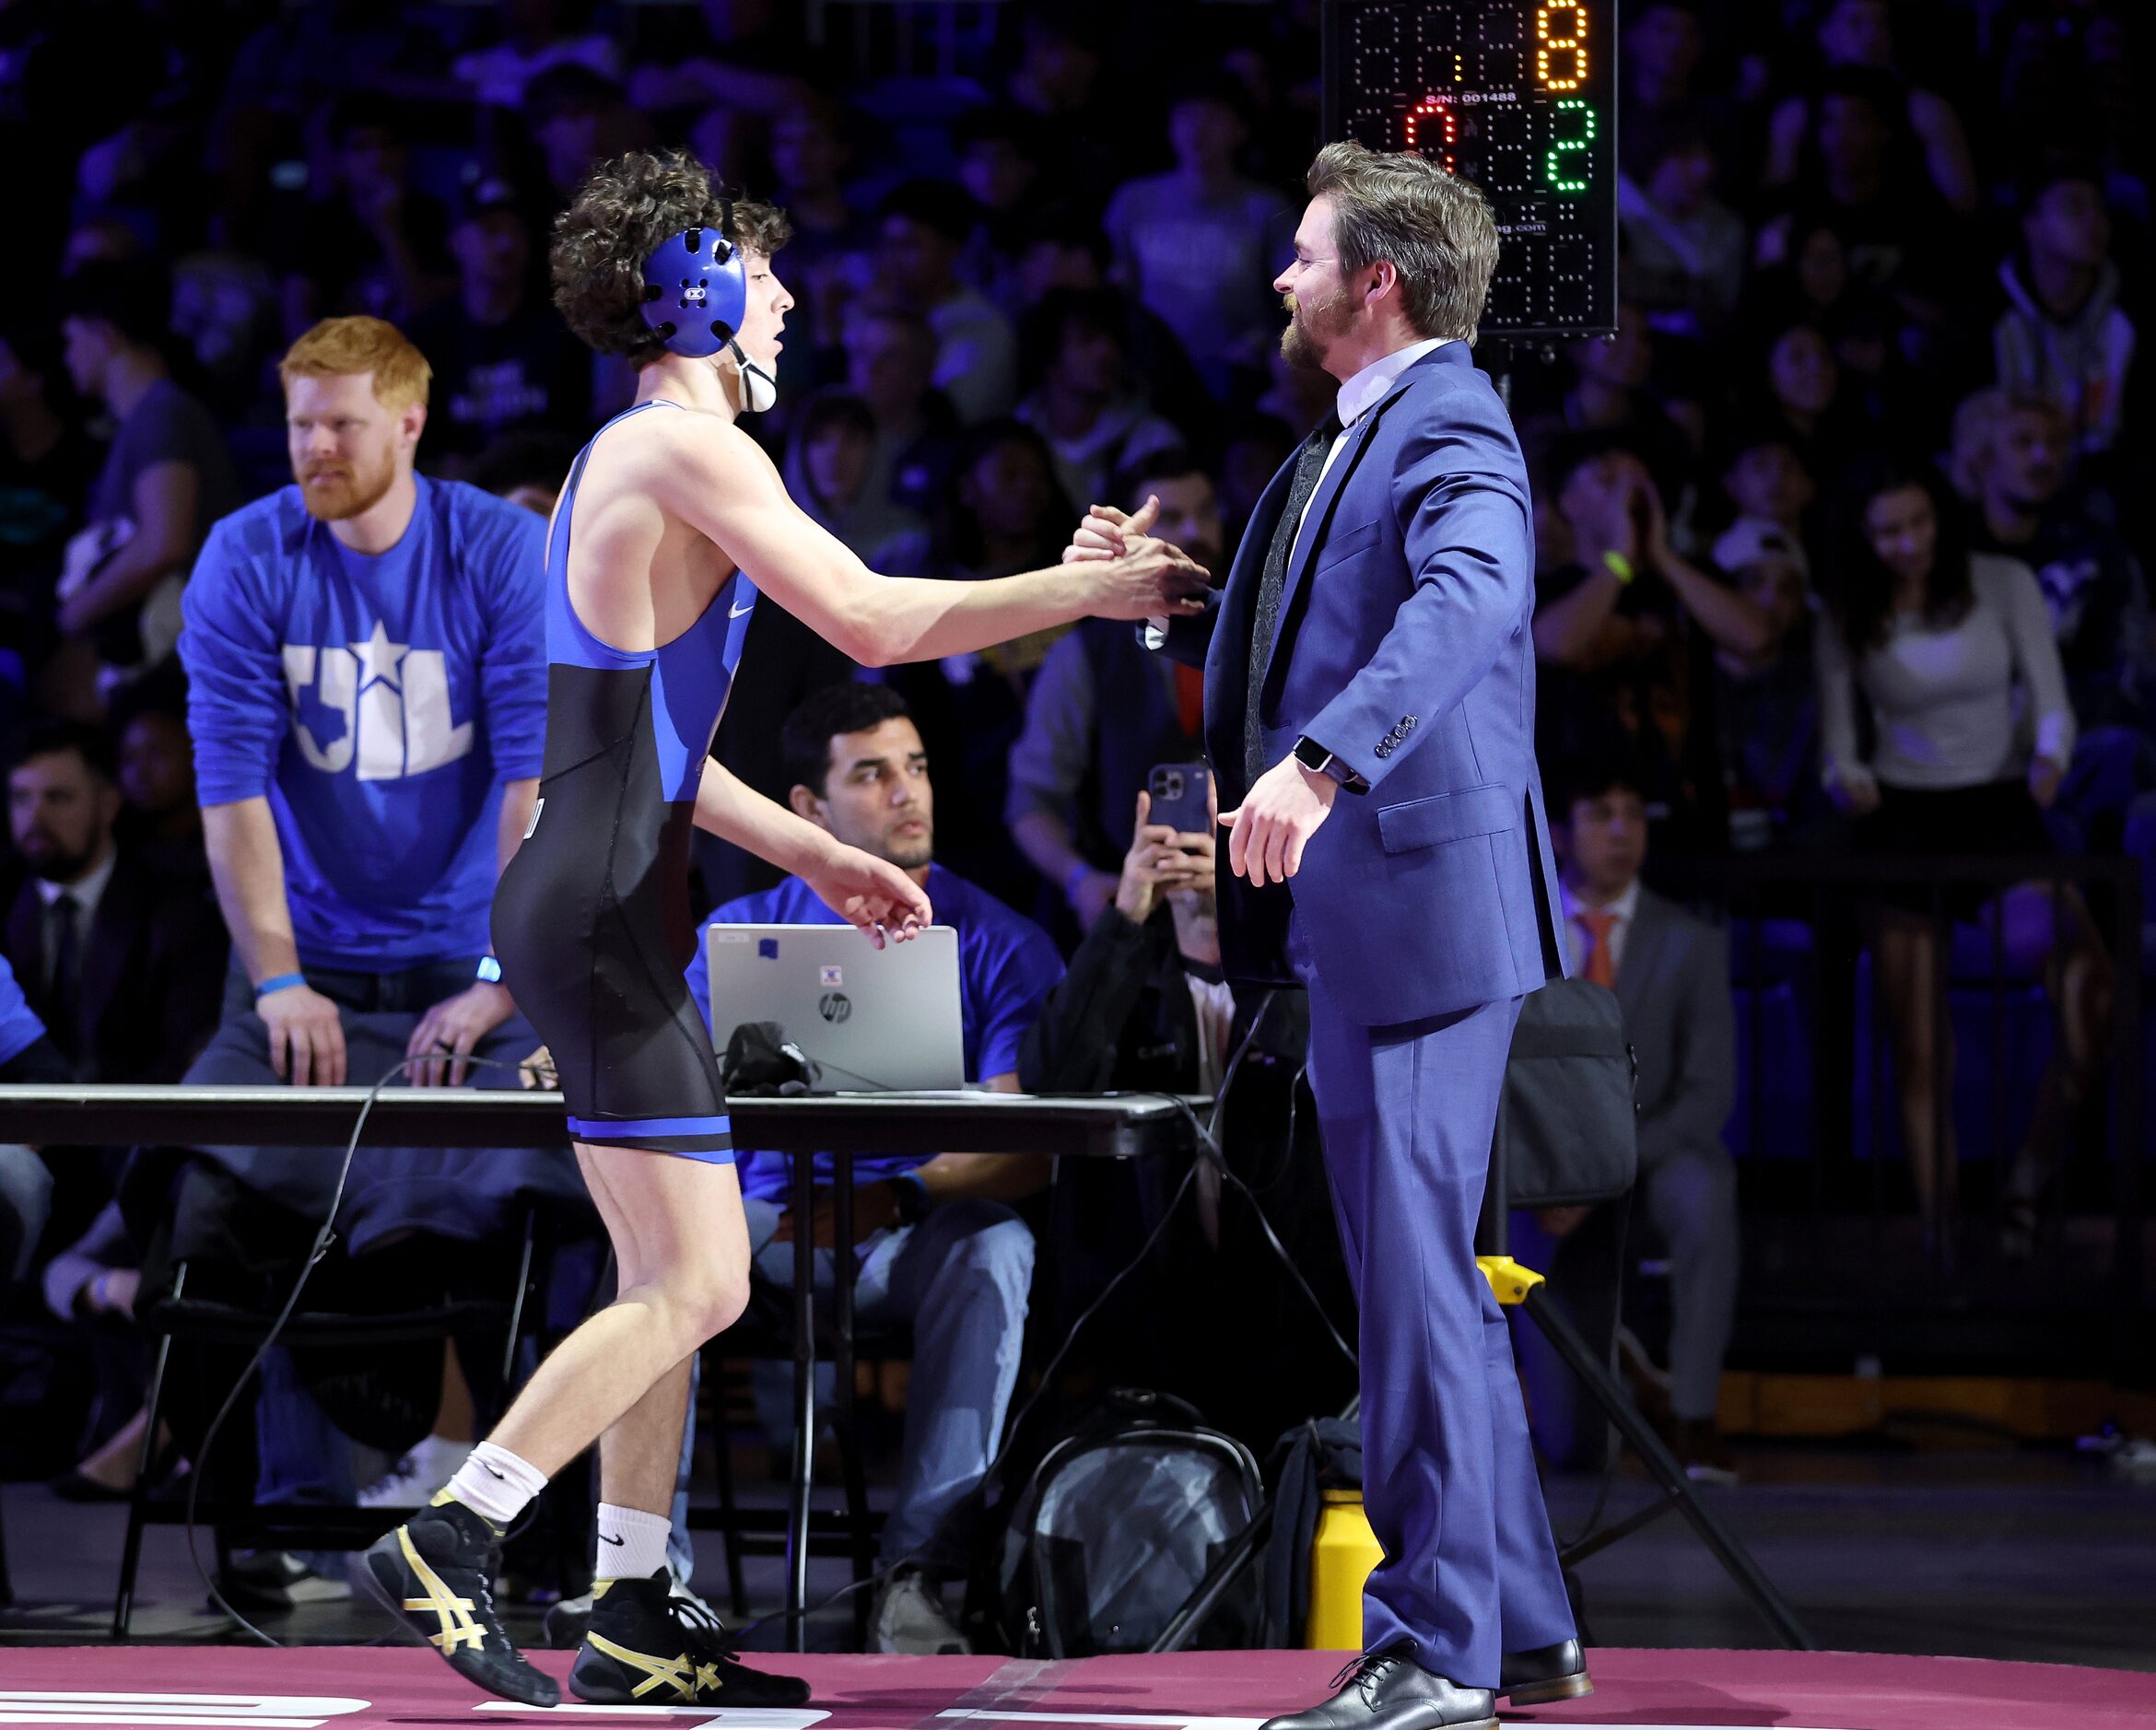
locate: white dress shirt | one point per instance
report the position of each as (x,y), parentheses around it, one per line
(1215,1002)
(1362,393)
(87,894)
(1576,933)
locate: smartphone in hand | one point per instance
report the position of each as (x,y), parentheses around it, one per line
(1182,797)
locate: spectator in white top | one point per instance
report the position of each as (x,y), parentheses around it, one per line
(1941,643)
(1198,243)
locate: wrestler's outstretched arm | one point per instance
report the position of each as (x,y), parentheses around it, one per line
(722,483)
(869,893)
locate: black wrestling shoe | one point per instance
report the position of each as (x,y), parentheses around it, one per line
(1544,1675)
(1387,1690)
(645,1647)
(435,1574)
(565,1623)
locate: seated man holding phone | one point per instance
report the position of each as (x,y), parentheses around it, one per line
(1145,1005)
(937,1247)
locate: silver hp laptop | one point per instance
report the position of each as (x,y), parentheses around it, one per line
(875,1020)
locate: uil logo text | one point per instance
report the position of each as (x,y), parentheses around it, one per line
(394,702)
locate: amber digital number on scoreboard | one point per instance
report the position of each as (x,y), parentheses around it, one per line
(1518,98)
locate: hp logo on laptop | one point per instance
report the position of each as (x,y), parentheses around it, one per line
(835,1006)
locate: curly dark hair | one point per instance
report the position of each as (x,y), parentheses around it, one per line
(623,209)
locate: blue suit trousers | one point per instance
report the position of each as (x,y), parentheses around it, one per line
(1448,1473)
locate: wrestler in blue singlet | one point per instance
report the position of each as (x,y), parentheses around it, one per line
(591,919)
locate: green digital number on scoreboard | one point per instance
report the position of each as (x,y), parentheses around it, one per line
(1518,98)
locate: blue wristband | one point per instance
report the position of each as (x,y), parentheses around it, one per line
(279,982)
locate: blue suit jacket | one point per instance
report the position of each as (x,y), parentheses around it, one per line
(1403,648)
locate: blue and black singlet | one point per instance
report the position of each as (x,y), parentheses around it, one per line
(592,919)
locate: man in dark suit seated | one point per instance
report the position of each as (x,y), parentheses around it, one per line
(123,960)
(1670,971)
(123,965)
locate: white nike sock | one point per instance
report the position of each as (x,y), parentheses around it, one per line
(632,1544)
(494,1483)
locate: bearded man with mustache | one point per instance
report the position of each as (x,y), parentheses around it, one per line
(1369,716)
(367,696)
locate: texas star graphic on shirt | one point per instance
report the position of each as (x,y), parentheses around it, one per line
(393,699)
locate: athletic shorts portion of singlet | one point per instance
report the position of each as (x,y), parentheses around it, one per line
(592,919)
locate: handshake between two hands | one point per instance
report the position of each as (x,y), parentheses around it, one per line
(1139,576)
(1285,807)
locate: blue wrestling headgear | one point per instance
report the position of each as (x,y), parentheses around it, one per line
(696,288)
(695,295)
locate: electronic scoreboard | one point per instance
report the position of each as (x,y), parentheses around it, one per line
(1518,98)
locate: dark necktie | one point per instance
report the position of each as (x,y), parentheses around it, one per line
(59,993)
(1273,585)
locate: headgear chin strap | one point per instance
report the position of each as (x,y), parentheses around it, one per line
(695,295)
(759,390)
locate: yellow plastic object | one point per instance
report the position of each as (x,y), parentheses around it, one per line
(1342,1553)
(1510,1281)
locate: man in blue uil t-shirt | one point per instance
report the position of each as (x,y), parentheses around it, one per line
(368,696)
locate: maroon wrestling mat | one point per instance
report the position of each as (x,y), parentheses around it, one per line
(330,1687)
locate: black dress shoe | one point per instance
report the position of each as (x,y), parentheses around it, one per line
(1546,1674)
(1384,1690)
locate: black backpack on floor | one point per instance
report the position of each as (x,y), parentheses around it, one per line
(1117,1525)
(1324,1454)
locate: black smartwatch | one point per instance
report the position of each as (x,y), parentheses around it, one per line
(1316,758)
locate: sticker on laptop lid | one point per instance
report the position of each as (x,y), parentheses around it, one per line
(829,974)
(766,949)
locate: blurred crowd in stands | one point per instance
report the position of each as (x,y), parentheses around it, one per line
(1841,536)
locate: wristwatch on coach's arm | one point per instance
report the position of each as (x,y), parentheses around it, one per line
(1316,758)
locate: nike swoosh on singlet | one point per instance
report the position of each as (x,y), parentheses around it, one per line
(735,612)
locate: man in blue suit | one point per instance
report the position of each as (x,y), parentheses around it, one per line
(1369,713)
